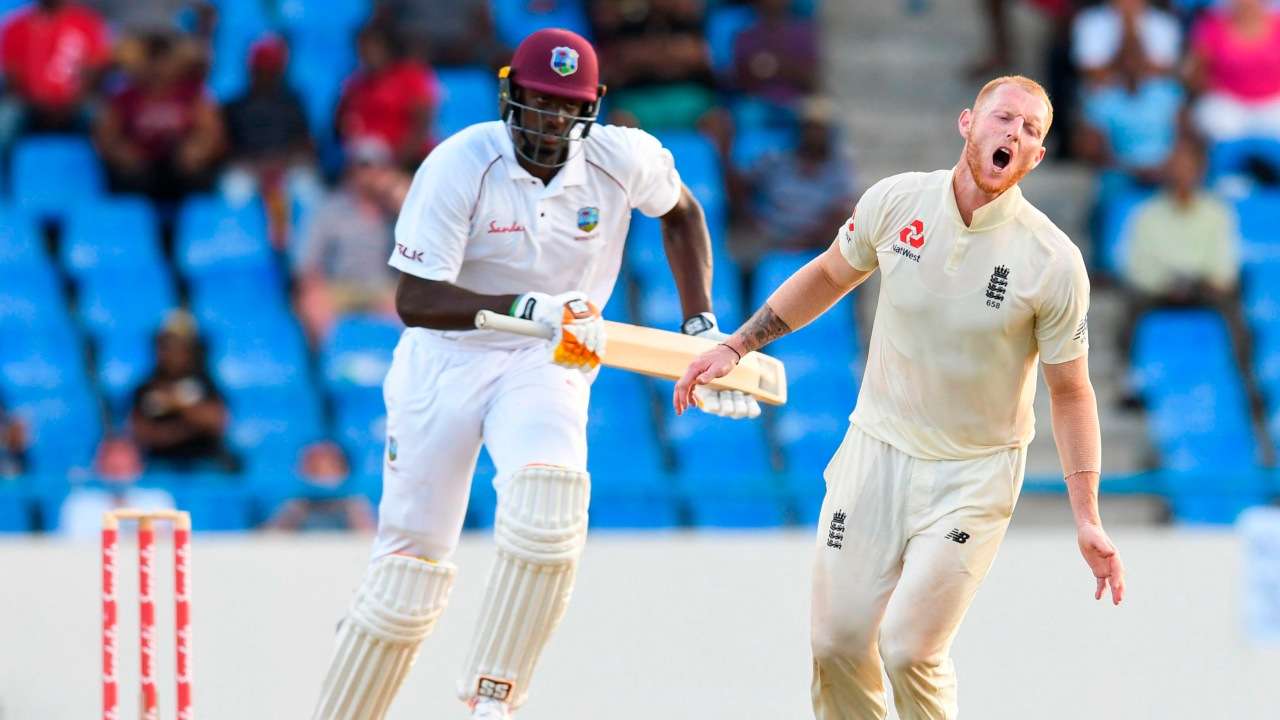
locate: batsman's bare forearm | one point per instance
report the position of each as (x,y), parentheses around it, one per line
(808,293)
(687,244)
(443,306)
(1076,430)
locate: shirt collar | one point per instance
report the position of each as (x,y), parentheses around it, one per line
(990,216)
(574,172)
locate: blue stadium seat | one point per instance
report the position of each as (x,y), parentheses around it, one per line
(230,303)
(723,25)
(514,19)
(15,509)
(21,251)
(358,352)
(754,143)
(213,237)
(320,62)
(737,501)
(1215,498)
(361,425)
(1198,414)
(1259,216)
(1231,157)
(40,363)
(470,96)
(1115,214)
(270,426)
(484,499)
(52,174)
(248,362)
(124,361)
(64,425)
(110,235)
(220,507)
(660,303)
(339,18)
(132,301)
(699,165)
(821,392)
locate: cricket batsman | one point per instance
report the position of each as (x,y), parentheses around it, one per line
(976,284)
(525,215)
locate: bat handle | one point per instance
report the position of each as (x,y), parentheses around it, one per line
(490,320)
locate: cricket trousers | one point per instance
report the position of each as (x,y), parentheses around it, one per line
(902,545)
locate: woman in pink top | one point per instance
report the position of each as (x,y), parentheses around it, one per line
(1235,63)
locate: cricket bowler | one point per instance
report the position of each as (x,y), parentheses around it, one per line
(976,285)
(525,215)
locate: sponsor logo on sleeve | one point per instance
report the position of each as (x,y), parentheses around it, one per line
(1082,331)
(409,253)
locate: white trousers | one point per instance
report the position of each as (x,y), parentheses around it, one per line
(1222,117)
(902,546)
(443,400)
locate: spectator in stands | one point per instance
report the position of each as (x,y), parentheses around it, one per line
(270,146)
(53,54)
(117,468)
(391,98)
(13,445)
(776,58)
(342,261)
(162,135)
(1100,33)
(446,34)
(1130,126)
(179,418)
(657,62)
(325,502)
(1184,251)
(790,200)
(1234,62)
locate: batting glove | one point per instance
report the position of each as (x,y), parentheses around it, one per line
(725,403)
(579,338)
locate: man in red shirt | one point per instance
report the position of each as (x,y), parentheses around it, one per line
(52,53)
(390,98)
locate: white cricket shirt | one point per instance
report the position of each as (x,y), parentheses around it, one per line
(475,218)
(963,314)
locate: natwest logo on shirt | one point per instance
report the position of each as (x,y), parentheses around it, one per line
(912,234)
(495,228)
(414,255)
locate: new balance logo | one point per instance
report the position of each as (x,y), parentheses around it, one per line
(835,536)
(958,536)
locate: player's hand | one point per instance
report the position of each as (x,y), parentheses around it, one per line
(579,336)
(712,364)
(1103,559)
(725,403)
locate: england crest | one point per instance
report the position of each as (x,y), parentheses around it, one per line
(564,60)
(588,218)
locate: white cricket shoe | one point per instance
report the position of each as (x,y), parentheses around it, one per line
(487,709)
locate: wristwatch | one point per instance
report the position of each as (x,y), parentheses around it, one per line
(698,324)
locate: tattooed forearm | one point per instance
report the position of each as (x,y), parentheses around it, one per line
(763,328)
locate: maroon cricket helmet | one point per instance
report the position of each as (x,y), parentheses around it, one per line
(557,62)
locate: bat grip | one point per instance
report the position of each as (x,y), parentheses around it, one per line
(490,320)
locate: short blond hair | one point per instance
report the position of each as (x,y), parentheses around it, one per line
(1021,81)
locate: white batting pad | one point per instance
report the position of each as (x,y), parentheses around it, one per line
(394,610)
(540,528)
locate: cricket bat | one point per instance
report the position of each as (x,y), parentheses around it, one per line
(663,354)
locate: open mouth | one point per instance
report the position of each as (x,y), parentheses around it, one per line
(1001,157)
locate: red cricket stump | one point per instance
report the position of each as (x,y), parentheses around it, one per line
(148,700)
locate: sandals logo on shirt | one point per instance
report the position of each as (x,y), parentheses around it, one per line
(588,218)
(564,60)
